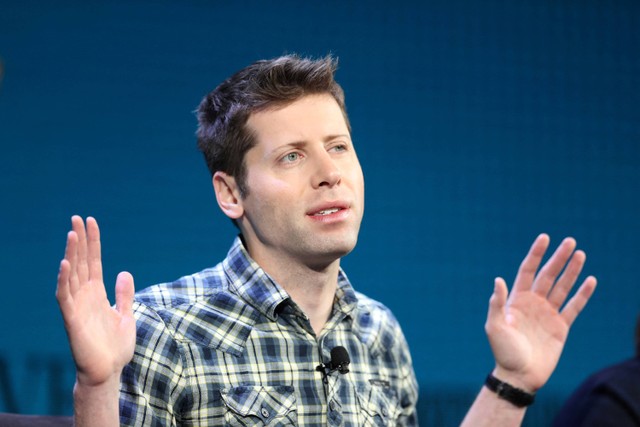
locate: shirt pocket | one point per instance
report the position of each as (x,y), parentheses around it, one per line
(260,406)
(379,405)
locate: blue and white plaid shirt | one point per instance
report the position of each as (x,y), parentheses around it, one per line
(228,347)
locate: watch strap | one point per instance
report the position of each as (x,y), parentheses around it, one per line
(511,394)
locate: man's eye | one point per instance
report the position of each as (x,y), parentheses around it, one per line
(291,157)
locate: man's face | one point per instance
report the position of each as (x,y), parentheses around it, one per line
(306,190)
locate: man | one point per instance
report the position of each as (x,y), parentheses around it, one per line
(249,341)
(609,397)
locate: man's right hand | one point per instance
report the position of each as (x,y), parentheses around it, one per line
(102,338)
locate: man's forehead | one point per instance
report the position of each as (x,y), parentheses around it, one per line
(309,116)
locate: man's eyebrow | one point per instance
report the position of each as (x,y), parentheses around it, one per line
(336,136)
(302,142)
(286,146)
(327,138)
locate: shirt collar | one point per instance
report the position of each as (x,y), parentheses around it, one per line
(346,300)
(249,281)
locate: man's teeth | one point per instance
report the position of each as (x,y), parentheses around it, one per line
(327,211)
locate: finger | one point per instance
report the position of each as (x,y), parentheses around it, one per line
(63,295)
(497,304)
(563,286)
(81,266)
(62,290)
(530,263)
(124,293)
(71,255)
(552,268)
(94,256)
(579,300)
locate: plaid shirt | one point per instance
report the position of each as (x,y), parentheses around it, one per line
(227,346)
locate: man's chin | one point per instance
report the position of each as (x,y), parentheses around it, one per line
(326,254)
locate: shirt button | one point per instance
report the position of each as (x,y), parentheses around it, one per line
(385,413)
(264,412)
(332,405)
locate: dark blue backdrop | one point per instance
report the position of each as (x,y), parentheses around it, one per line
(478,125)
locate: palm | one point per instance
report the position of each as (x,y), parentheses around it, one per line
(102,338)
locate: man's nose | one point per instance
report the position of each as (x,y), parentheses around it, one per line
(327,171)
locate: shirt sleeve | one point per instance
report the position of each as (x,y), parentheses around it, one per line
(153,389)
(409,386)
(610,398)
(602,409)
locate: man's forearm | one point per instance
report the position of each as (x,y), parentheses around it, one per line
(97,406)
(489,410)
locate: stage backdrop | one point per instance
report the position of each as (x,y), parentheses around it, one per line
(478,126)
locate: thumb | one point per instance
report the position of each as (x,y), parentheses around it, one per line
(124,293)
(497,302)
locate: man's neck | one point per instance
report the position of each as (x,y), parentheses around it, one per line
(312,289)
(315,294)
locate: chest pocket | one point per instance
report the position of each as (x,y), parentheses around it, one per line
(379,406)
(260,406)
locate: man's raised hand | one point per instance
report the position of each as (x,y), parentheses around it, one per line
(102,338)
(528,327)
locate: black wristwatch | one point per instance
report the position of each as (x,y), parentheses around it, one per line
(511,394)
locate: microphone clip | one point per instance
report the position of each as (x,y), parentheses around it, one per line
(339,362)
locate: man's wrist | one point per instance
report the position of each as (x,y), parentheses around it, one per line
(109,387)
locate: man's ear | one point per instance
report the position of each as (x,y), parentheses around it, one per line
(228,195)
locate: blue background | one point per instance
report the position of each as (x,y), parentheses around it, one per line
(478,126)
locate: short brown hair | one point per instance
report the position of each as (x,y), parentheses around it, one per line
(222,134)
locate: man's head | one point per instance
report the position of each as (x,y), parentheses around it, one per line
(223,136)
(284,168)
